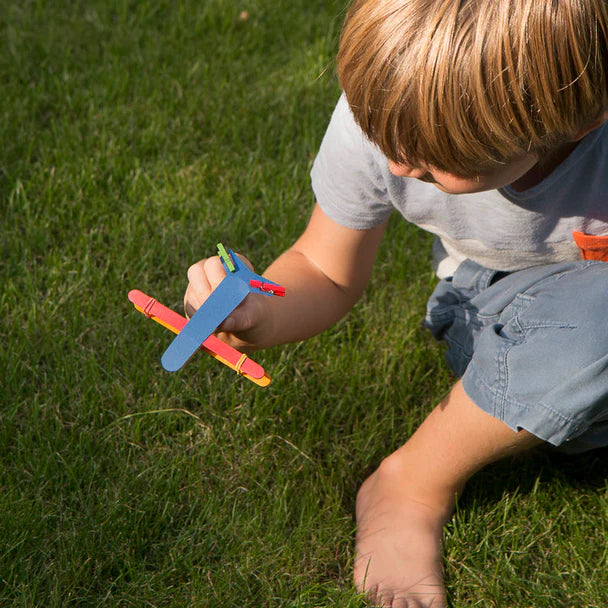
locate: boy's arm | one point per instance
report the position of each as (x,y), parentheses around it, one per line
(324,273)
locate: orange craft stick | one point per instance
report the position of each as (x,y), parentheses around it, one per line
(219,350)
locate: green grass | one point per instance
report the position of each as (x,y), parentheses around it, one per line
(135,135)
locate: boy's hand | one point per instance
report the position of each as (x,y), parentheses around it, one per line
(241,327)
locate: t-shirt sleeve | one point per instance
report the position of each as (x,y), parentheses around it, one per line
(347,175)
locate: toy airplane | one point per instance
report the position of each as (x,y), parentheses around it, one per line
(221,351)
(197,333)
(236,285)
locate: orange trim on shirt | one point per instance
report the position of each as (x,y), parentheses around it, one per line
(592,247)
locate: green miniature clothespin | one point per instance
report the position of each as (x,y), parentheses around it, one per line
(225,257)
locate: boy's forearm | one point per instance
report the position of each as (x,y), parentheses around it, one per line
(312,304)
(325,273)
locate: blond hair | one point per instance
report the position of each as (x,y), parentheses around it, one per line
(467,85)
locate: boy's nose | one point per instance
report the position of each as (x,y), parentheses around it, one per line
(404,170)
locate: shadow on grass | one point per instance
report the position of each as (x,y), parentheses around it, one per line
(522,474)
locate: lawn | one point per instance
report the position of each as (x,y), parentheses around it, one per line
(136,135)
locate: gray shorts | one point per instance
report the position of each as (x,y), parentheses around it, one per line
(531,346)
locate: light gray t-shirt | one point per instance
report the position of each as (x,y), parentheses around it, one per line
(501,229)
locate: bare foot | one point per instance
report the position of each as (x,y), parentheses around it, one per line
(402,507)
(398,545)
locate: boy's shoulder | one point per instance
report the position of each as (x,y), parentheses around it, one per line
(344,130)
(349,174)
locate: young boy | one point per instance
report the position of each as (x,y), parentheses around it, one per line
(481,121)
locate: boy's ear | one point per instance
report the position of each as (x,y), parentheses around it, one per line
(597,123)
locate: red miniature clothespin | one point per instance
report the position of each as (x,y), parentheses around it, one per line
(275,290)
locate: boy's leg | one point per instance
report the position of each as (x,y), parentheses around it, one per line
(403,506)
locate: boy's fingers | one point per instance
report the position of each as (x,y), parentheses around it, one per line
(245,316)
(199,287)
(236,320)
(214,271)
(191,304)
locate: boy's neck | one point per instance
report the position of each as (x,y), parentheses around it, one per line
(544,167)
